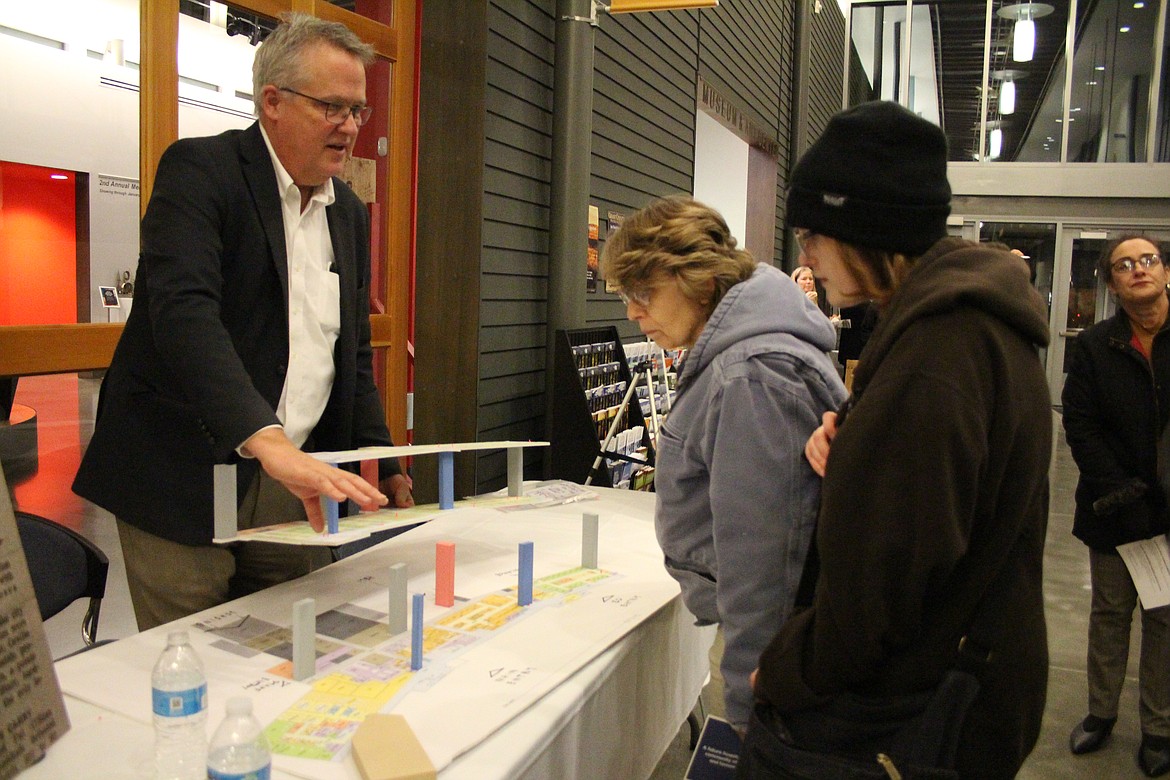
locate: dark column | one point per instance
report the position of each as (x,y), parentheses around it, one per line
(569,194)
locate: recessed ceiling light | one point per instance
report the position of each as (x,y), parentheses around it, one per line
(1139,4)
(58,176)
(1099,67)
(1125,28)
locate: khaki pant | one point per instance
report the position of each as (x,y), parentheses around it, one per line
(1114,600)
(169,580)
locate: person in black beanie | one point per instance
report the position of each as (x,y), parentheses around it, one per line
(919,641)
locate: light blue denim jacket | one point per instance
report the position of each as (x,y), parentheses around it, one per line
(737,501)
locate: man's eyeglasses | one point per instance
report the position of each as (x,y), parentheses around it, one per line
(803,237)
(1126,265)
(337,113)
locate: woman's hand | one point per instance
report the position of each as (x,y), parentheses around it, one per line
(816,450)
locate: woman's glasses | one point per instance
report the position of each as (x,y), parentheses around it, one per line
(639,295)
(1126,265)
(804,237)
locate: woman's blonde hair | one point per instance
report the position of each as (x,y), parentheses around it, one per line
(682,237)
(798,271)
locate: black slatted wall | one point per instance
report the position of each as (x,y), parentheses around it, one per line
(643,124)
(826,42)
(644,102)
(517,153)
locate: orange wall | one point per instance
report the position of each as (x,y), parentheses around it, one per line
(38,246)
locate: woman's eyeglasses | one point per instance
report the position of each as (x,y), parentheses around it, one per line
(804,236)
(1126,265)
(639,295)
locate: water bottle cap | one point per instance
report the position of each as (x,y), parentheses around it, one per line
(239,705)
(177,638)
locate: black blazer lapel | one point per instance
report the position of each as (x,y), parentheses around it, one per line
(256,164)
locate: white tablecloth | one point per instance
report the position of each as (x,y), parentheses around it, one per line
(613,716)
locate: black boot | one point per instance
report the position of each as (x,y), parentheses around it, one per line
(1154,755)
(1090,734)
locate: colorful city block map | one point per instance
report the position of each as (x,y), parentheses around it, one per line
(362,670)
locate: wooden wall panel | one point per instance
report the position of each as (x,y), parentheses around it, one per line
(450,227)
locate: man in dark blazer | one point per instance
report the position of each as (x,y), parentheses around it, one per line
(249,341)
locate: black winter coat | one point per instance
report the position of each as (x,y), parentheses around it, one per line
(1116,404)
(933,512)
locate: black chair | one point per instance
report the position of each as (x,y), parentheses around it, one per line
(64,567)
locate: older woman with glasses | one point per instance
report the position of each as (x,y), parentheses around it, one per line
(927,616)
(736,498)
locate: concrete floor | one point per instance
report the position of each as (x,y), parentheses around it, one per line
(65,413)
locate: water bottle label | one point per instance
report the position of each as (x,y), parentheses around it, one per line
(263,773)
(179,704)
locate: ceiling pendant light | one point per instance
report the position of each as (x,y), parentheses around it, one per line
(1007,97)
(1024,31)
(1006,92)
(1024,40)
(996,139)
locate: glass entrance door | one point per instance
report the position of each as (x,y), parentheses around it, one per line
(1080,297)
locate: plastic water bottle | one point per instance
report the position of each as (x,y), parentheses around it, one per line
(238,749)
(179,698)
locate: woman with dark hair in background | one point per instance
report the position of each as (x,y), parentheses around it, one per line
(1116,405)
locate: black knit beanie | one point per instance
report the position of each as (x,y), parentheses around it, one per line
(877,177)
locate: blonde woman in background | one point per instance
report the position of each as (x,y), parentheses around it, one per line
(803,276)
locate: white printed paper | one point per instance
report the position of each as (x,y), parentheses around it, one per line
(1148,562)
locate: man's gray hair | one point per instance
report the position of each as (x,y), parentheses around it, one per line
(278,60)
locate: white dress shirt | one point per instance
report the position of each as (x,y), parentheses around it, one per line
(314,304)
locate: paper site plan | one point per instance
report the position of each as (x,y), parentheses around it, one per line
(361,669)
(485,660)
